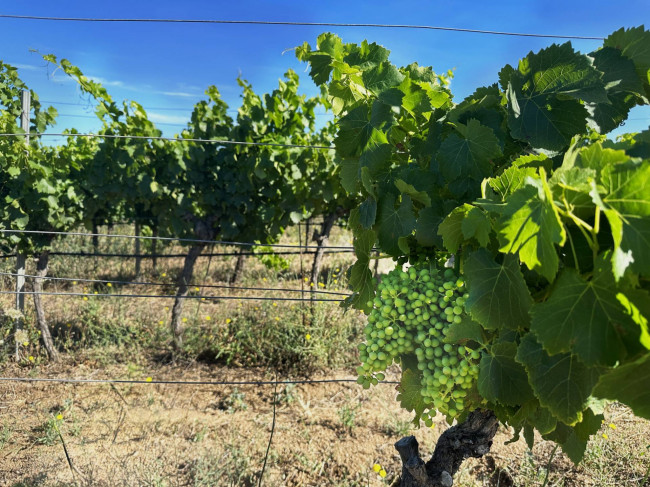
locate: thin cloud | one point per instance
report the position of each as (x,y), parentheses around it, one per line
(164,118)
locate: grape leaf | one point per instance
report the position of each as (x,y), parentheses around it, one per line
(634,44)
(355,132)
(625,198)
(409,393)
(530,227)
(583,317)
(573,439)
(637,305)
(544,96)
(477,225)
(561,382)
(451,228)
(394,222)
(468,152)
(501,379)
(514,177)
(628,384)
(368,212)
(466,330)
(498,294)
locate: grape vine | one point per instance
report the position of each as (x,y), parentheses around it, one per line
(548,221)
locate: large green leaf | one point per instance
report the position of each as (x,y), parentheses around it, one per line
(530,227)
(501,379)
(409,391)
(628,384)
(634,44)
(356,132)
(394,222)
(468,152)
(514,177)
(561,382)
(624,195)
(451,229)
(544,96)
(583,317)
(498,294)
(382,77)
(573,439)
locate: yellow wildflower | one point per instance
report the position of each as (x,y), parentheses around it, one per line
(382,473)
(197,289)
(275,304)
(148,379)
(207,318)
(336,281)
(31,358)
(612,425)
(307,336)
(277,319)
(184,320)
(85,298)
(164,274)
(320,284)
(228,320)
(376,467)
(264,279)
(311,284)
(604,435)
(108,284)
(25,344)
(74,282)
(166,308)
(59,416)
(161,322)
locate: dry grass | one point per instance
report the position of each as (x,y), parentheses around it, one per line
(166,435)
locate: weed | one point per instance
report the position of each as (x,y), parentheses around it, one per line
(6,432)
(348,415)
(233,468)
(49,430)
(234,402)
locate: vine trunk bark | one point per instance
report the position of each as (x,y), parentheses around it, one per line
(471,438)
(239,267)
(154,250)
(322,240)
(46,336)
(138,258)
(183,282)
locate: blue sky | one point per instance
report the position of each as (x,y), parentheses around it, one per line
(167,67)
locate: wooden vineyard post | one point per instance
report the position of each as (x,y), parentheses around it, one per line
(20,256)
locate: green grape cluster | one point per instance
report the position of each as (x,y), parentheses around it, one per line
(411,315)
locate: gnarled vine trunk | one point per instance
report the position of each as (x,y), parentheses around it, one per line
(183,282)
(239,267)
(321,240)
(471,438)
(46,336)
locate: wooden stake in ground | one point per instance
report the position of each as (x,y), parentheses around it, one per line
(26,100)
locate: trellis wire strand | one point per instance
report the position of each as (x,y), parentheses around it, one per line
(185,382)
(170,139)
(145,283)
(170,296)
(306,24)
(174,239)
